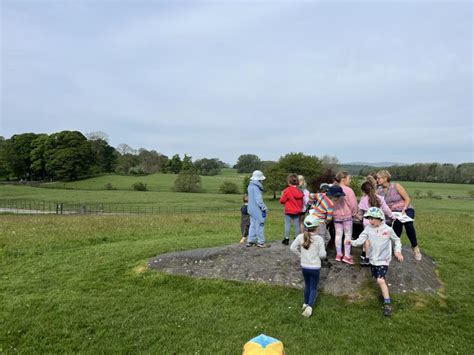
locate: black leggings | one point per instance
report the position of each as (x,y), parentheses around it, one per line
(409,228)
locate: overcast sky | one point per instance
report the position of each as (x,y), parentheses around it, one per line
(365,81)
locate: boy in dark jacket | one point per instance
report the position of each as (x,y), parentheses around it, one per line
(292,198)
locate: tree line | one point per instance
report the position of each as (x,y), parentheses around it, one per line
(70,155)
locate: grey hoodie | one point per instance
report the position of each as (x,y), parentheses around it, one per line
(380,239)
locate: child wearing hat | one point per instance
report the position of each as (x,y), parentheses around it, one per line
(380,237)
(309,246)
(323,208)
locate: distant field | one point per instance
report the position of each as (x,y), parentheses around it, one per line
(155,182)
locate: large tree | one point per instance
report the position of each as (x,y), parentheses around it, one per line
(207,166)
(299,163)
(18,154)
(247,163)
(38,160)
(68,155)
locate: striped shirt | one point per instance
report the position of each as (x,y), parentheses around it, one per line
(322,206)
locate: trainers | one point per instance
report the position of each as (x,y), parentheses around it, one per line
(387,310)
(308,311)
(285,241)
(261,245)
(250,244)
(417,253)
(348,260)
(243,240)
(339,257)
(304,306)
(364,261)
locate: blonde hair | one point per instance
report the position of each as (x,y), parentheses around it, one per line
(341,175)
(302,181)
(385,174)
(372,180)
(307,237)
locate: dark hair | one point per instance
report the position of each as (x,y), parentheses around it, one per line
(307,237)
(293,179)
(369,190)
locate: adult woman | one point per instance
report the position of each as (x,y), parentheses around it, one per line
(257,210)
(398,200)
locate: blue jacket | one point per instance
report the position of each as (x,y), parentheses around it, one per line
(256,205)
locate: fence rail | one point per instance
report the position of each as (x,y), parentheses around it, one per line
(68,208)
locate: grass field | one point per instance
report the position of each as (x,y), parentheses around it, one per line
(78,284)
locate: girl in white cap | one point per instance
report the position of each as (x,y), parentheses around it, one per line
(257,210)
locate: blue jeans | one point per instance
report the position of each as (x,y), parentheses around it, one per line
(256,230)
(311,281)
(296,220)
(409,228)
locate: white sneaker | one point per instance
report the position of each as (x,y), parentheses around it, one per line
(308,311)
(417,253)
(304,306)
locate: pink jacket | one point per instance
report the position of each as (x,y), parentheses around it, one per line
(364,206)
(346,208)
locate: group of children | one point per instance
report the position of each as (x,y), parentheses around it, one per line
(313,213)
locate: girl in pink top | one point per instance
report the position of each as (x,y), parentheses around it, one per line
(344,210)
(371,199)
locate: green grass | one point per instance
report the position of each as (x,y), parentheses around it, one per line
(77,284)
(154,182)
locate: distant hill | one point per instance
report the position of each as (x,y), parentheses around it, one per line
(377,165)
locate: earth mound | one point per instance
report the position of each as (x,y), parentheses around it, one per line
(277,265)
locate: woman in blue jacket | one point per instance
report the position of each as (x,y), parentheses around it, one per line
(257,210)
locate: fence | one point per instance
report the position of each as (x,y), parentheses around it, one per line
(52,207)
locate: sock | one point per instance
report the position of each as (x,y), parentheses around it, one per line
(347,249)
(386,300)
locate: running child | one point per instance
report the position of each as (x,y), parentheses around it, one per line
(344,211)
(370,199)
(309,246)
(292,198)
(380,238)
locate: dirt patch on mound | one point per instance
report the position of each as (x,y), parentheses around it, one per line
(277,265)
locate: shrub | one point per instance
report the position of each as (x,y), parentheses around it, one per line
(246,182)
(429,194)
(109,186)
(228,187)
(471,193)
(187,181)
(139,186)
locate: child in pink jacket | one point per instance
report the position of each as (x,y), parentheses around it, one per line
(344,210)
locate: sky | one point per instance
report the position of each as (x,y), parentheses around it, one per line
(364,81)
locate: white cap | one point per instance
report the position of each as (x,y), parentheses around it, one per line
(257,175)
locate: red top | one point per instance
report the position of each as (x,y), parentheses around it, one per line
(292,198)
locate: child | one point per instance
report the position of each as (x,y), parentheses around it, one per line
(292,198)
(244,219)
(310,248)
(344,210)
(380,237)
(306,204)
(370,199)
(323,207)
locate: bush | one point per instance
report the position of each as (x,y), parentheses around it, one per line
(187,181)
(471,193)
(109,186)
(228,187)
(246,182)
(429,194)
(139,186)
